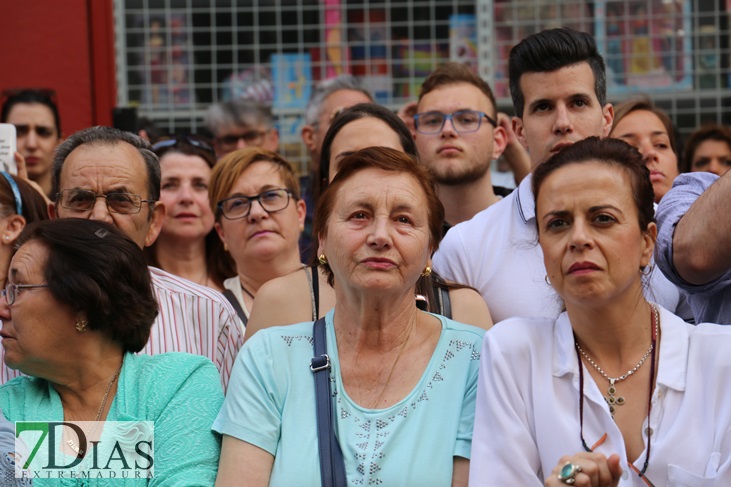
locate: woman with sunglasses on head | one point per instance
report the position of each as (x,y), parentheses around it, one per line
(616,390)
(254,194)
(188,245)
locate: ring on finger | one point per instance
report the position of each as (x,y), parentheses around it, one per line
(568,473)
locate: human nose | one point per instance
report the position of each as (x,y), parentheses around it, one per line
(241,143)
(580,237)
(257,211)
(715,167)
(186,193)
(31,140)
(562,123)
(380,235)
(448,129)
(648,151)
(4,308)
(100,211)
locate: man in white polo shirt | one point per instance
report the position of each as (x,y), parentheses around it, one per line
(558,86)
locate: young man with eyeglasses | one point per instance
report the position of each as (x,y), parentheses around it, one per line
(102,173)
(35,115)
(457,137)
(241,123)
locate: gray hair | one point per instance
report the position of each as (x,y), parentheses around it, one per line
(238,112)
(100,135)
(326,88)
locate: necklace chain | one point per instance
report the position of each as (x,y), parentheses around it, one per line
(610,397)
(395,362)
(71,443)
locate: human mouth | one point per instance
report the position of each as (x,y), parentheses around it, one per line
(448,149)
(656,176)
(260,233)
(186,216)
(31,161)
(580,268)
(559,147)
(379,263)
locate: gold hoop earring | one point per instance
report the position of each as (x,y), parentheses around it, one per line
(81,325)
(427,271)
(322,259)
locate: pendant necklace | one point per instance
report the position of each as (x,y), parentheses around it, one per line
(612,399)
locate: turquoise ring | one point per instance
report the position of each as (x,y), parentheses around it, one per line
(568,472)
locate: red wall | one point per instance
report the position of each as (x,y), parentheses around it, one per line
(65,45)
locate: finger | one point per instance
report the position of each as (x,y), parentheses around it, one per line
(22,169)
(614,469)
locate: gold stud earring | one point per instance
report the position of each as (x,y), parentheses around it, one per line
(427,271)
(322,259)
(81,325)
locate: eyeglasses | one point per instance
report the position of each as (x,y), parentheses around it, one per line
(161,146)
(10,293)
(271,201)
(84,200)
(252,137)
(463,121)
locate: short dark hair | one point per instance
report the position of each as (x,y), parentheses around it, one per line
(101,135)
(551,50)
(711,131)
(451,73)
(614,152)
(31,96)
(386,159)
(350,114)
(34,205)
(95,269)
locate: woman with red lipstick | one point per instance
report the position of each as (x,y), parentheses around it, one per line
(255,197)
(187,245)
(649,129)
(403,380)
(616,390)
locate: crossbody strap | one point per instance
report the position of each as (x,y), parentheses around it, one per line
(237,306)
(445,304)
(332,465)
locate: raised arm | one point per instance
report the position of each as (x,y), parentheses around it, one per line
(702,235)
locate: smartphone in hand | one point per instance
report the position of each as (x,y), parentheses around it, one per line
(8,146)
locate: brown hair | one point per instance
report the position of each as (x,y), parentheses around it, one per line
(644,103)
(385,159)
(230,167)
(613,152)
(452,73)
(34,206)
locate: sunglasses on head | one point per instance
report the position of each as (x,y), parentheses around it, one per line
(163,145)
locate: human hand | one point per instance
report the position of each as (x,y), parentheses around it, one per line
(594,470)
(23,174)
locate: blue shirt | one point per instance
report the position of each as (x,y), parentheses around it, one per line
(710,302)
(271,404)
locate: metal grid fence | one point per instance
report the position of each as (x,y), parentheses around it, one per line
(176,57)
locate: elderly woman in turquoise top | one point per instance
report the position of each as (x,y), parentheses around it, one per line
(404,380)
(77,305)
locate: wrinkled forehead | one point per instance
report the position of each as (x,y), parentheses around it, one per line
(101,167)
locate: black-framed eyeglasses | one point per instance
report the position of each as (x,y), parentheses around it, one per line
(463,121)
(10,293)
(84,200)
(252,137)
(271,201)
(161,146)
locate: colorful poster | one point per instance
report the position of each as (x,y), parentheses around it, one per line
(292,76)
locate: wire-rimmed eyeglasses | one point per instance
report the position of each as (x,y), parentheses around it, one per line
(10,293)
(463,121)
(84,200)
(271,201)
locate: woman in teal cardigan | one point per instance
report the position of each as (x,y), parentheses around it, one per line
(77,305)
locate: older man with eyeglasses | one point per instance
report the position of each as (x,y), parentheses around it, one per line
(105,174)
(241,123)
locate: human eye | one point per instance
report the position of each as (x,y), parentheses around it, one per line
(237,203)
(701,162)
(604,219)
(541,107)
(272,196)
(404,219)
(581,103)
(45,132)
(556,224)
(359,215)
(726,162)
(201,185)
(79,199)
(168,185)
(467,117)
(432,119)
(122,201)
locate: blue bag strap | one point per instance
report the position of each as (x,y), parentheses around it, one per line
(332,465)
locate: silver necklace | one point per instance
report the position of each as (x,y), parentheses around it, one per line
(611,399)
(71,443)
